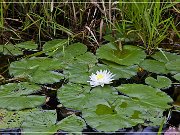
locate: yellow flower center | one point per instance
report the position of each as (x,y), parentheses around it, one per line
(100,76)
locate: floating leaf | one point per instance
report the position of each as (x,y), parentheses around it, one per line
(162,82)
(77,73)
(173,65)
(177,76)
(103,111)
(75,50)
(124,71)
(23,88)
(44,122)
(12,119)
(72,123)
(154,66)
(10,49)
(165,56)
(146,95)
(130,55)
(29,45)
(55,47)
(119,71)
(16,96)
(87,58)
(73,95)
(38,70)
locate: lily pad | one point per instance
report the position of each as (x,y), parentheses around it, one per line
(37,70)
(73,95)
(177,76)
(165,56)
(44,122)
(162,82)
(10,49)
(16,96)
(10,119)
(28,45)
(154,66)
(130,55)
(77,73)
(173,65)
(55,47)
(118,70)
(103,108)
(146,95)
(13,119)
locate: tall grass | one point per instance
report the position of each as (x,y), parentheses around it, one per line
(146,17)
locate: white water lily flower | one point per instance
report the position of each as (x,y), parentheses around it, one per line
(101,78)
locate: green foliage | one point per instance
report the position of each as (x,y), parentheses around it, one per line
(130,55)
(173,65)
(44,122)
(54,47)
(103,105)
(28,45)
(10,49)
(73,95)
(119,71)
(138,103)
(11,119)
(162,82)
(165,56)
(154,66)
(17,96)
(177,76)
(37,70)
(147,20)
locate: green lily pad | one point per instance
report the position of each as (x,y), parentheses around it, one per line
(118,70)
(16,96)
(73,95)
(44,122)
(146,95)
(13,119)
(165,56)
(29,45)
(162,82)
(55,47)
(173,65)
(77,73)
(10,49)
(87,58)
(75,50)
(103,108)
(130,55)
(154,66)
(37,70)
(177,76)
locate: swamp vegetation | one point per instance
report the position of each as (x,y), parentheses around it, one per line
(50,49)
